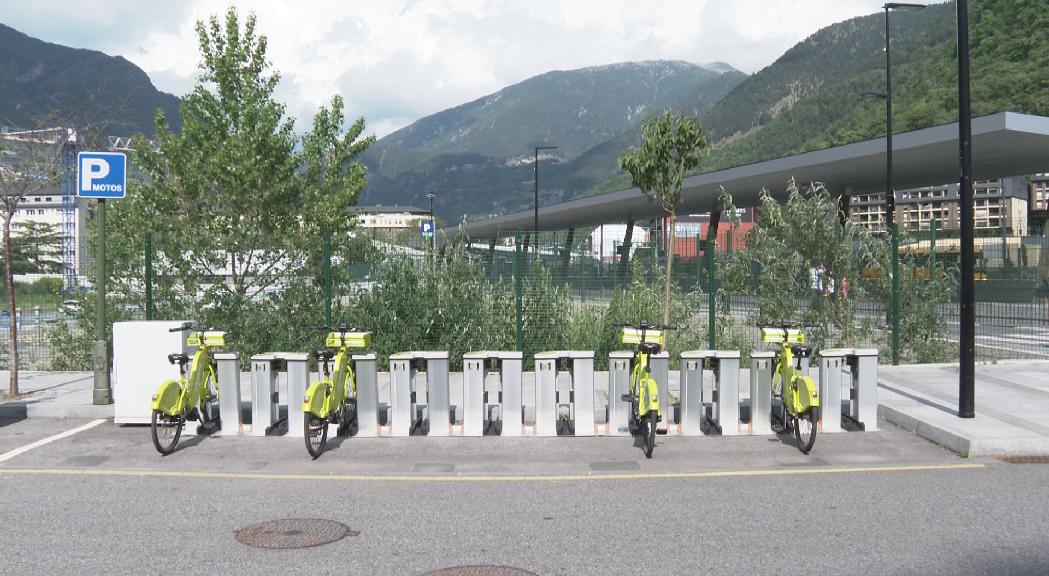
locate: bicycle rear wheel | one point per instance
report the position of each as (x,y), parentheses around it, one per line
(648,432)
(165,431)
(805,429)
(316,433)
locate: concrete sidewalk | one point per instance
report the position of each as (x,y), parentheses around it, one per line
(1012,406)
(1012,403)
(53,395)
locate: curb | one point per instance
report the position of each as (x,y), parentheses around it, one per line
(23,410)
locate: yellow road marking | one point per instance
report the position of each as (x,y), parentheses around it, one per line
(486,478)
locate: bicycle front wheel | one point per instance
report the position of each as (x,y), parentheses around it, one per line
(165,431)
(649,432)
(315,431)
(805,430)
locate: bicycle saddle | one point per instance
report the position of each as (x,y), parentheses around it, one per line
(650,347)
(178,359)
(324,353)
(801,350)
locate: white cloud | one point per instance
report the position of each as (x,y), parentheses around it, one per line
(395,61)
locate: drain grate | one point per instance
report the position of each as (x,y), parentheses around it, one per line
(480,571)
(293,533)
(1026,459)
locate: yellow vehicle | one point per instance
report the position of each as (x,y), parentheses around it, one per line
(644,390)
(333,399)
(188,398)
(800,395)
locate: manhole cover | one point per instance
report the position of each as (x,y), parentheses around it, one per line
(480,571)
(293,533)
(1026,459)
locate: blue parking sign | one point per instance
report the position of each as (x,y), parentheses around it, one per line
(426,228)
(101,175)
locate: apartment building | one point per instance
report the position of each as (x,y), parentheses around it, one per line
(997,204)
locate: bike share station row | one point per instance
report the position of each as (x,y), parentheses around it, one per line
(492,401)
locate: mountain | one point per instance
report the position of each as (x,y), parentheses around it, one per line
(478,157)
(813,96)
(44,83)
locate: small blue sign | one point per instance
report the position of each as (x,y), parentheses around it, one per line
(426,228)
(101,175)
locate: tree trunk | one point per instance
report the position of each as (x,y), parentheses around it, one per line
(13,317)
(670,264)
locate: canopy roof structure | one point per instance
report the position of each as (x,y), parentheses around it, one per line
(1004,144)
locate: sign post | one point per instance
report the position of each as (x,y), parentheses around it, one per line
(101,175)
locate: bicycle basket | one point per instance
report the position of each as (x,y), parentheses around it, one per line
(633,336)
(776,335)
(353,339)
(212,339)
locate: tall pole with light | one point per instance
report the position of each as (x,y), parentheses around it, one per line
(433,223)
(890,192)
(967,309)
(535,167)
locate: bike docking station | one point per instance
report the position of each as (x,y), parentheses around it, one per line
(564,410)
(481,416)
(365,373)
(724,417)
(228,375)
(409,417)
(761,391)
(620,369)
(265,397)
(862,365)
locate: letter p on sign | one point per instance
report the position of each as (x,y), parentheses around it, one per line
(94,169)
(101,175)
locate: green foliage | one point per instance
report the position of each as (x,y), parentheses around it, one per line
(671,145)
(803,265)
(36,248)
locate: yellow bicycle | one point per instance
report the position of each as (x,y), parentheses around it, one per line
(192,398)
(800,406)
(334,397)
(644,390)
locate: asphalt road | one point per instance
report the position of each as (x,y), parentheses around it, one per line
(101,501)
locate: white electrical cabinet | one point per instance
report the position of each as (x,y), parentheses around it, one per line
(140,364)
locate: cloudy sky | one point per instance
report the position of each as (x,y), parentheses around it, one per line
(395,61)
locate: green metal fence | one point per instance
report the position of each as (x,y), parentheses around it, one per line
(505,293)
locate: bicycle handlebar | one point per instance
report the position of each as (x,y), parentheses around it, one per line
(185,326)
(645,326)
(342,328)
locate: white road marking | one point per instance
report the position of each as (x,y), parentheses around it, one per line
(23,449)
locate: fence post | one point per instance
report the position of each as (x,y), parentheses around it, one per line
(149,275)
(327,278)
(932,248)
(518,294)
(712,236)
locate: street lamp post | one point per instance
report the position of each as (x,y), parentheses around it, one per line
(890,192)
(433,223)
(535,167)
(967,311)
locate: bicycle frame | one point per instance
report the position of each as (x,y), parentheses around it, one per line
(177,397)
(338,386)
(803,392)
(341,384)
(642,385)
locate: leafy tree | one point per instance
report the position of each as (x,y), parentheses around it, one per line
(27,168)
(36,248)
(237,203)
(671,145)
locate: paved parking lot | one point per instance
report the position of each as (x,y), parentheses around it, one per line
(102,500)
